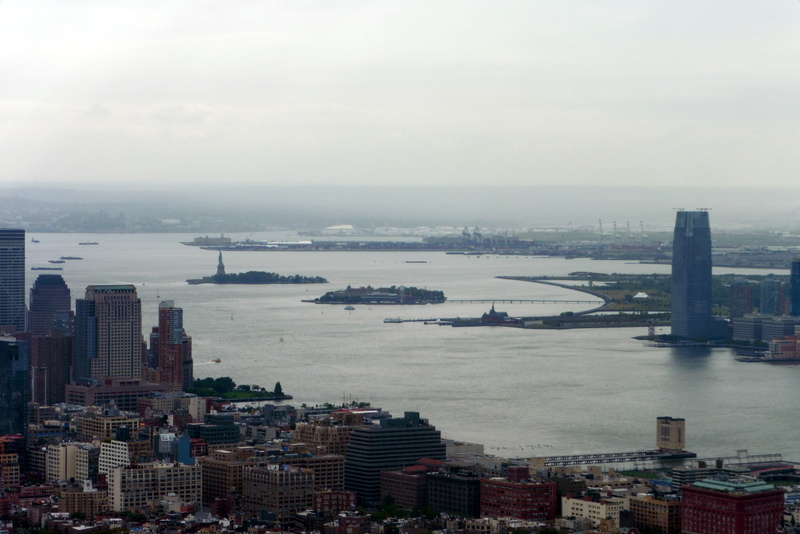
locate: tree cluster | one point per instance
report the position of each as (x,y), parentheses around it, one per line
(211,387)
(261,277)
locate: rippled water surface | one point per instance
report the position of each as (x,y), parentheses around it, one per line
(519,392)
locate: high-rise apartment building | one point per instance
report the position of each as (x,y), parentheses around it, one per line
(172,348)
(740,301)
(108,334)
(49,297)
(14,386)
(730,507)
(12,278)
(794,290)
(395,444)
(691,276)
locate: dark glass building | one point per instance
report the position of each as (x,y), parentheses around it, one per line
(691,276)
(14,386)
(395,444)
(794,291)
(49,297)
(770,297)
(12,278)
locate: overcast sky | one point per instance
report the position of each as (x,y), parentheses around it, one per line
(400,92)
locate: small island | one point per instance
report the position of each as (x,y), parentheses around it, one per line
(254,277)
(386,295)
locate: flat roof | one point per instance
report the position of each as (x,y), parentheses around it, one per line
(113,287)
(733,487)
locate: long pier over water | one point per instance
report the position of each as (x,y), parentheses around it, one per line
(513,300)
(614,457)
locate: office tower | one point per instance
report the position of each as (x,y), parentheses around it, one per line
(721,507)
(14,386)
(794,290)
(691,275)
(51,358)
(283,491)
(172,348)
(395,444)
(770,297)
(455,492)
(49,297)
(218,429)
(145,486)
(108,334)
(12,278)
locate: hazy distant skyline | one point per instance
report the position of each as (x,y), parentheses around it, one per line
(414,93)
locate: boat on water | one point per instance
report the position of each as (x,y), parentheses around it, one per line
(55,261)
(216,360)
(47,268)
(34,240)
(393,320)
(88,243)
(349,308)
(71,258)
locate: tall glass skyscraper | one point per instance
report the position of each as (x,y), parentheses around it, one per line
(15,390)
(12,278)
(691,275)
(794,290)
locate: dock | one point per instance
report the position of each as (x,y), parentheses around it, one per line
(521,301)
(426,321)
(614,457)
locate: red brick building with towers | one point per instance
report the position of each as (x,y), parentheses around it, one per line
(719,507)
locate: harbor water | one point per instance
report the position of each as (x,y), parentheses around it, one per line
(518,392)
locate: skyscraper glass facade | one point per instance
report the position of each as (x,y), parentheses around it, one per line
(794,291)
(691,275)
(12,278)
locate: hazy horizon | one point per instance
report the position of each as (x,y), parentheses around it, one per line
(499,206)
(511,93)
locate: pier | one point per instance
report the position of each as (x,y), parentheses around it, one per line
(521,301)
(613,457)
